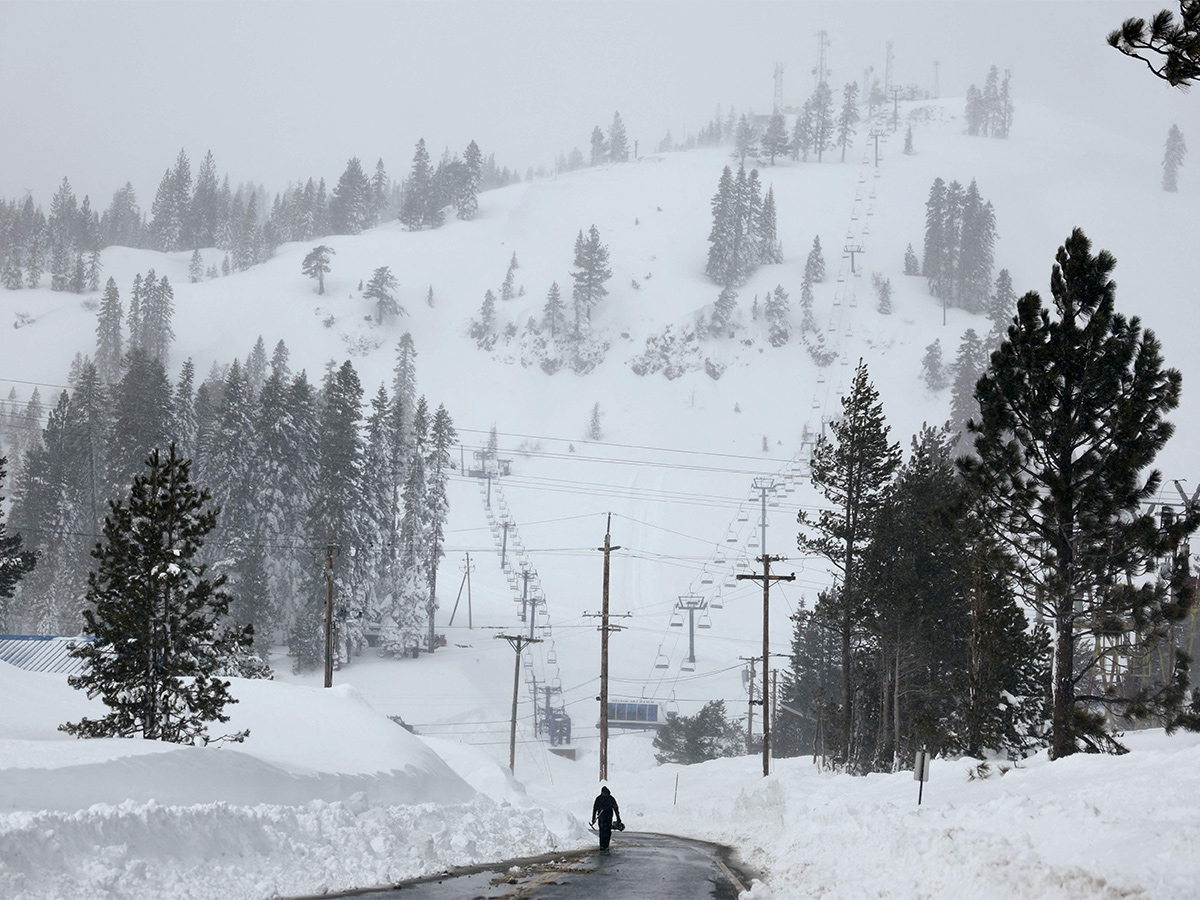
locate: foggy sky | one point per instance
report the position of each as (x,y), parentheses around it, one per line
(108,92)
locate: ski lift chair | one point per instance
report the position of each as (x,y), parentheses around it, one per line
(716,602)
(676,619)
(661,662)
(705,620)
(687,666)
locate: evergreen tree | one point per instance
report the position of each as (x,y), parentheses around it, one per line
(438,467)
(686,740)
(155,616)
(158,308)
(1071,414)
(823,123)
(15,561)
(141,419)
(776,312)
(933,369)
(912,266)
(381,289)
(1173,159)
(599,147)
(204,215)
(1170,49)
(1002,306)
(883,290)
(467,201)
(352,206)
(723,311)
(380,190)
(618,143)
(316,265)
(775,140)
(770,251)
(934,265)
(420,208)
(851,468)
(196,267)
(969,364)
(589,274)
(483,328)
(721,238)
(908,144)
(848,117)
(976,251)
(802,131)
(554,314)
(108,334)
(183,410)
(744,140)
(814,265)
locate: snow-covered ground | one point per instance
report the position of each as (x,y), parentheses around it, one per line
(327,793)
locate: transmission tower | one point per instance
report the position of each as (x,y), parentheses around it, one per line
(778,87)
(821,70)
(887,72)
(937,93)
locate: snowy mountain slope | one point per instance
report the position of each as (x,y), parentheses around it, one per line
(678,456)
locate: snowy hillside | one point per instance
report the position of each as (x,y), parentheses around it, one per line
(674,467)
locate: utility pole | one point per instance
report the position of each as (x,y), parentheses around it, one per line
(604,630)
(466,568)
(895,108)
(764,486)
(766,578)
(329,548)
(518,642)
(750,704)
(504,547)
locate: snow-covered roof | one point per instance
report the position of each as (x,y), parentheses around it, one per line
(40,653)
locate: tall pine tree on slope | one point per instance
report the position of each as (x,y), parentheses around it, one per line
(439,465)
(851,468)
(589,275)
(1071,416)
(15,561)
(155,616)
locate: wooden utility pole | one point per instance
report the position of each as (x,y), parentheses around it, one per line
(518,642)
(604,629)
(766,578)
(329,612)
(466,568)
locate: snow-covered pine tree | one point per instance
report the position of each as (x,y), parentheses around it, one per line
(554,314)
(721,321)
(590,272)
(599,147)
(380,191)
(183,410)
(438,466)
(352,206)
(141,420)
(977,239)
(196,267)
(15,560)
(823,122)
(420,207)
(618,143)
(802,132)
(467,201)
(316,265)
(814,264)
(770,250)
(483,328)
(908,143)
(1001,307)
(721,238)
(155,617)
(158,309)
(1176,150)
(595,432)
(912,265)
(933,368)
(776,312)
(108,333)
(381,290)
(969,364)
(745,139)
(775,139)
(204,213)
(848,117)
(935,259)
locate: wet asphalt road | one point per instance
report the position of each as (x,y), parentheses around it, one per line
(640,865)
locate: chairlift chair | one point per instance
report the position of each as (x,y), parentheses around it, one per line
(705,620)
(687,666)
(730,580)
(661,662)
(743,516)
(743,563)
(706,578)
(551,656)
(719,557)
(716,602)
(676,618)
(731,537)
(529,662)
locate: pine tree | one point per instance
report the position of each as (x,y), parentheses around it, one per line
(933,369)
(775,140)
(1001,307)
(352,206)
(814,265)
(595,432)
(744,140)
(721,238)
(589,274)
(935,258)
(1172,159)
(770,251)
(912,266)
(776,312)
(15,561)
(554,314)
(848,117)
(158,309)
(851,468)
(141,419)
(969,364)
(316,265)
(381,289)
(108,333)
(823,122)
(420,207)
(438,466)
(618,143)
(883,290)
(908,143)
(483,328)
(467,201)
(723,311)
(155,615)
(976,251)
(1059,461)
(204,214)
(599,147)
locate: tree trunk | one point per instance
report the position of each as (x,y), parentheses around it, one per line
(1063,743)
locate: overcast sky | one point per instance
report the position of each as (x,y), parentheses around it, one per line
(108,92)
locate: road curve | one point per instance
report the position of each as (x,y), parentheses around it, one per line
(640,864)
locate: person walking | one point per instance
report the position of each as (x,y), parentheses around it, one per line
(603,810)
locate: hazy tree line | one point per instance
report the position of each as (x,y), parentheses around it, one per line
(989,112)
(300,473)
(940,558)
(191,213)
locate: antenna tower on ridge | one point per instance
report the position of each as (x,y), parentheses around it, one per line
(778,87)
